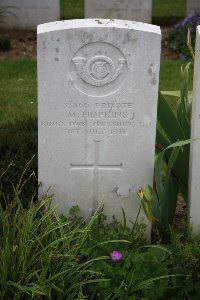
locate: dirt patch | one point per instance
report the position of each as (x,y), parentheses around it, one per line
(180,217)
(167,53)
(24,44)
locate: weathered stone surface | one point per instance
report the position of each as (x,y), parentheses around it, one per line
(193,7)
(194,181)
(97,92)
(27,14)
(136,10)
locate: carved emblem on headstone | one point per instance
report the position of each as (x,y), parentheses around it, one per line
(98,70)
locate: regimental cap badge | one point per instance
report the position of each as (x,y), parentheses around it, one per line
(98,70)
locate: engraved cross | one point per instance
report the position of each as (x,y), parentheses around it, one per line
(96,167)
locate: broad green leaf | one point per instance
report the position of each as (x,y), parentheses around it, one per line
(161,137)
(148,282)
(168,121)
(160,247)
(180,143)
(146,201)
(158,178)
(172,160)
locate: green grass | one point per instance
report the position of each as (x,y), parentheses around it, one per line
(170,75)
(39,253)
(74,9)
(170,79)
(168,8)
(18,125)
(18,89)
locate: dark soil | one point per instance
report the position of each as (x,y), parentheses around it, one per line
(166,53)
(180,217)
(24,44)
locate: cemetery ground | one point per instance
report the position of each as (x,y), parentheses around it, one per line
(46,256)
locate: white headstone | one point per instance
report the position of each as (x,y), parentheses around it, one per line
(136,10)
(27,14)
(193,7)
(98,85)
(194,181)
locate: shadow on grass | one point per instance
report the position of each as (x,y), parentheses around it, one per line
(18,147)
(165,21)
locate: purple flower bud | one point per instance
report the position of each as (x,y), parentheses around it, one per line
(116,255)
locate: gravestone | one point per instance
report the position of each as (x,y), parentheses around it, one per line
(27,14)
(97,92)
(136,10)
(194,181)
(193,7)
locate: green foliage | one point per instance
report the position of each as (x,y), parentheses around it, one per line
(173,126)
(18,145)
(39,252)
(159,204)
(178,36)
(185,249)
(115,236)
(45,256)
(142,273)
(74,210)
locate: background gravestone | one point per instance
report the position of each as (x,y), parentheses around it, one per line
(193,7)
(136,10)
(27,14)
(97,92)
(194,183)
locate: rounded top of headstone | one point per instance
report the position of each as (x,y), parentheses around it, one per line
(97,23)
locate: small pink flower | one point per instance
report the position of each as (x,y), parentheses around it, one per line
(116,255)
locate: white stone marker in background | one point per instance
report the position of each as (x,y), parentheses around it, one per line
(97,92)
(27,14)
(193,7)
(194,181)
(136,10)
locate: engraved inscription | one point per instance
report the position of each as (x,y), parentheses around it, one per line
(96,166)
(98,69)
(95,118)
